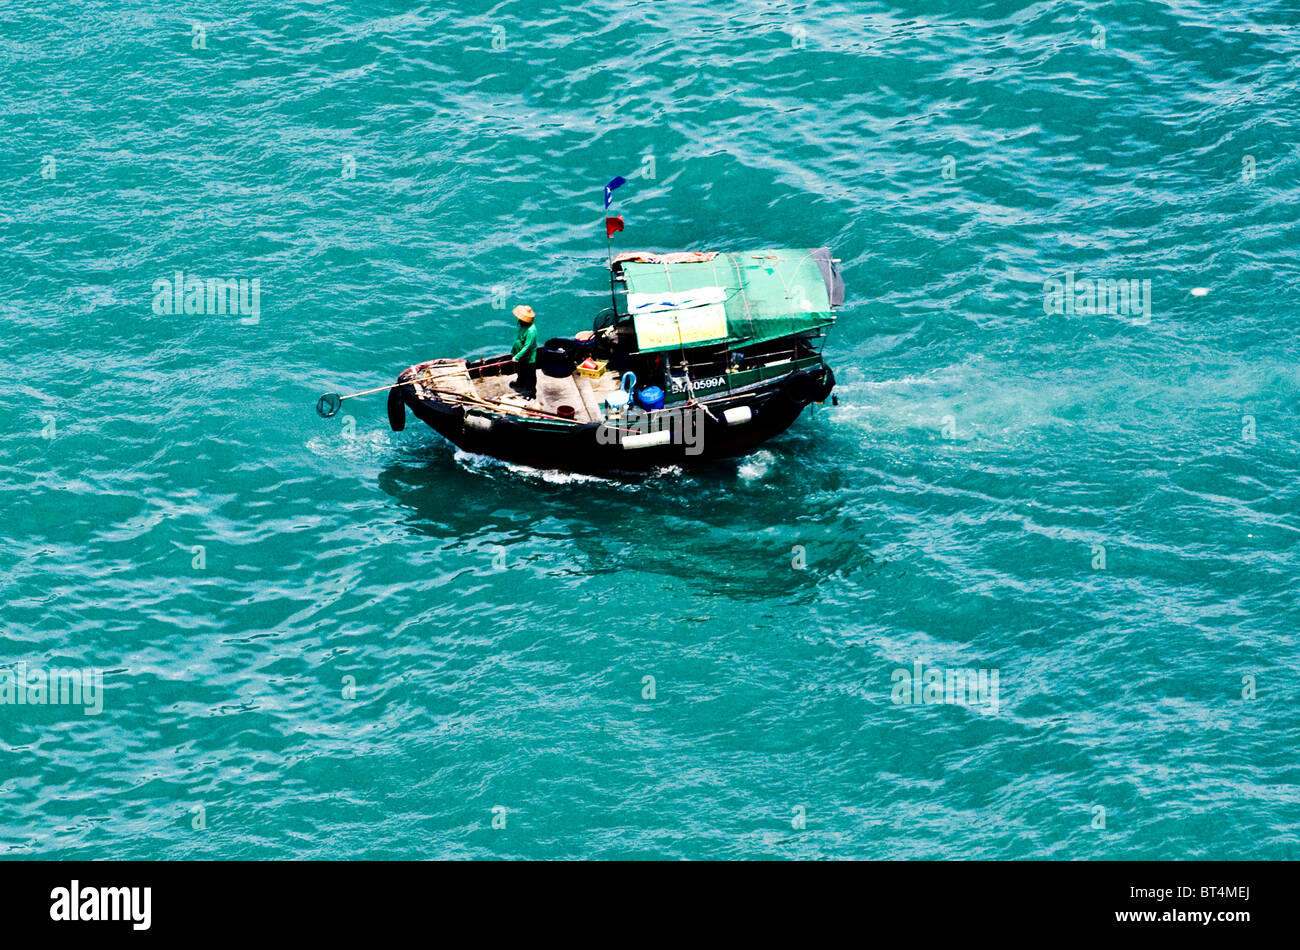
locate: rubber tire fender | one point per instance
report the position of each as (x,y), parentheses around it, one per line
(800,388)
(396,409)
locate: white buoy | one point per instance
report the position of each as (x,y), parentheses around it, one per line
(646,440)
(1200,291)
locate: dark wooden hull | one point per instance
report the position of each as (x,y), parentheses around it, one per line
(542,443)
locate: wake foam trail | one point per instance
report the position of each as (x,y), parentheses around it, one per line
(491,466)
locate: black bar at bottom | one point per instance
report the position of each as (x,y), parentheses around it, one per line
(335,901)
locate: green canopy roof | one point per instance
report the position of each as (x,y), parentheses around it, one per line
(736,298)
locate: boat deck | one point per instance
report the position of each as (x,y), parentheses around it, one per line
(585,395)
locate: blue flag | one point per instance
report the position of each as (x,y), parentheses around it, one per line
(609,189)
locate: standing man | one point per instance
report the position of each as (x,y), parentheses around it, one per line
(524,352)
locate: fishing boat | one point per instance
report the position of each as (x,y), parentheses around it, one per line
(702,356)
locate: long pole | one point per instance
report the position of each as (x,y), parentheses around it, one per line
(329,403)
(504,409)
(609,256)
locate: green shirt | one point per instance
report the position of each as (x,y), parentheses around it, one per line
(525,348)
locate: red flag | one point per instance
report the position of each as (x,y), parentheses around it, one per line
(612,225)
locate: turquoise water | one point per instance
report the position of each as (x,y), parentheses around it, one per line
(321,639)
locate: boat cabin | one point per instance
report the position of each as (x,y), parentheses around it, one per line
(700,324)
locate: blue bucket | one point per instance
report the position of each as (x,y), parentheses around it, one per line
(652,397)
